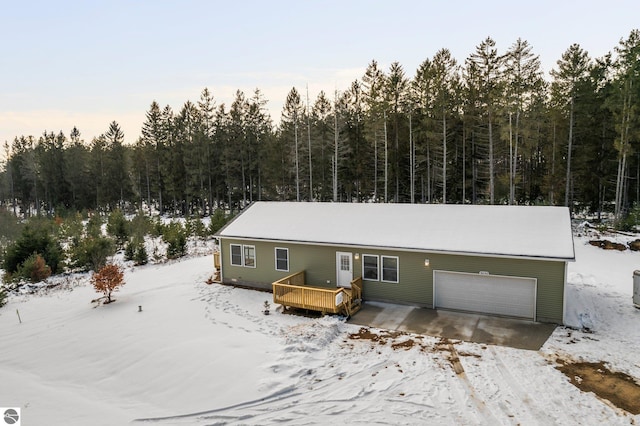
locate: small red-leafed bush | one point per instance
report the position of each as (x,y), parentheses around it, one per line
(107,280)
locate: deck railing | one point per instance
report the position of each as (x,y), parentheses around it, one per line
(216,266)
(290,291)
(356,289)
(293,279)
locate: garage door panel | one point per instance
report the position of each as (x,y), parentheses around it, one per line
(491,294)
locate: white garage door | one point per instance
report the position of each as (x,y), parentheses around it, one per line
(490,294)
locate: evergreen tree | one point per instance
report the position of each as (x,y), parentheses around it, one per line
(258,131)
(395,92)
(625,109)
(573,69)
(445,83)
(355,150)
(152,147)
(117,188)
(373,93)
(322,143)
(292,117)
(236,151)
(523,80)
(77,171)
(486,74)
(206,110)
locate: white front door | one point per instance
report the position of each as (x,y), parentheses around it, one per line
(344,268)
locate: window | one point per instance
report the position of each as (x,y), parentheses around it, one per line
(250,256)
(390,269)
(345,262)
(282,259)
(236,254)
(370,267)
(243,255)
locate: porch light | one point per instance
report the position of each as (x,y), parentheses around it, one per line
(357,256)
(426,262)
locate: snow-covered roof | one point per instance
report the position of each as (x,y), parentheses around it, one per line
(522,231)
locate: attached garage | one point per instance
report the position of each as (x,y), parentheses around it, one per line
(484,293)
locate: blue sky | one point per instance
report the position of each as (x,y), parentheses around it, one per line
(87,63)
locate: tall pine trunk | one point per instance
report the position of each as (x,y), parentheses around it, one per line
(444,157)
(491,162)
(569,149)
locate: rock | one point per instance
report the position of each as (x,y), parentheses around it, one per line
(634,245)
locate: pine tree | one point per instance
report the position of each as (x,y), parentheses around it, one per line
(76,171)
(625,109)
(573,68)
(292,117)
(236,151)
(445,81)
(395,93)
(322,143)
(206,109)
(523,80)
(259,129)
(117,185)
(373,94)
(487,73)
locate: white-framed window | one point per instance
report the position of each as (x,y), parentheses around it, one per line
(249,256)
(390,268)
(282,259)
(243,255)
(370,267)
(236,254)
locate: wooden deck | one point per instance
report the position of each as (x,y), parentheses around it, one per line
(291,291)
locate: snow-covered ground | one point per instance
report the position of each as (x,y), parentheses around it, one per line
(206,354)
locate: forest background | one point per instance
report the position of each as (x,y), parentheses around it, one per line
(491,130)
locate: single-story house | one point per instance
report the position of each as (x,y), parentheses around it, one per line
(497,260)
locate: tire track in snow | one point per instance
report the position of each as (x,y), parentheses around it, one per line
(470,393)
(352,391)
(536,415)
(211,414)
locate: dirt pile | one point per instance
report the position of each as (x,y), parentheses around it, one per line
(618,388)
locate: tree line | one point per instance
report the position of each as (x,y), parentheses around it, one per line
(490,130)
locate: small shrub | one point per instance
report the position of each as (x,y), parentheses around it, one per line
(140,225)
(108,280)
(176,237)
(631,221)
(72,227)
(10,225)
(156,228)
(94,225)
(136,251)
(118,227)
(218,220)
(129,251)
(34,239)
(33,269)
(91,253)
(141,257)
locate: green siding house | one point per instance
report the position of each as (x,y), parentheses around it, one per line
(497,260)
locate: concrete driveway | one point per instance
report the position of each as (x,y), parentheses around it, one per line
(475,328)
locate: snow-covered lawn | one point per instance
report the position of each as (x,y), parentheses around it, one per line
(206,354)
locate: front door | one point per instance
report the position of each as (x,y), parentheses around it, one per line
(344,266)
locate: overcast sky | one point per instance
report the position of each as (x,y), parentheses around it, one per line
(87,63)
